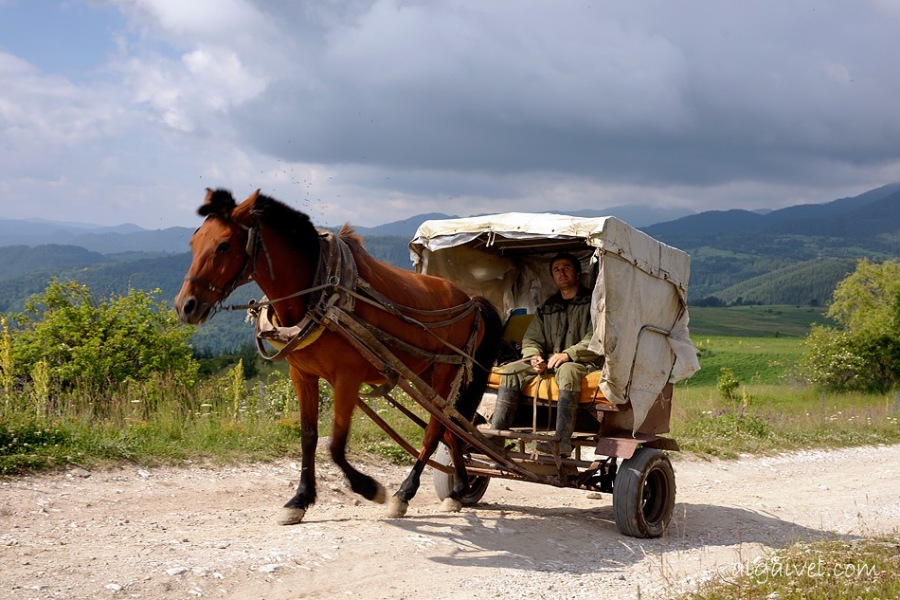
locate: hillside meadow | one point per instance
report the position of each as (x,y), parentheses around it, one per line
(748,397)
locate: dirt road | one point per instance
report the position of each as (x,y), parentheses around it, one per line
(195,532)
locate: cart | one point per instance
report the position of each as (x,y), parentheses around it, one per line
(640,317)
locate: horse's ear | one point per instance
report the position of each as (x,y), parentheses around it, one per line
(257,202)
(217,202)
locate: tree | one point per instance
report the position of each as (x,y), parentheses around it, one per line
(867,302)
(864,354)
(97,343)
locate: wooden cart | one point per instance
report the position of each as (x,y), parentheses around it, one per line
(640,317)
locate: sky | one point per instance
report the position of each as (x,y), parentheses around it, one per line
(373,111)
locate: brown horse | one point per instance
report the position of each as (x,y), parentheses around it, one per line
(314,282)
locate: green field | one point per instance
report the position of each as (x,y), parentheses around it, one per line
(770,408)
(756,321)
(754,360)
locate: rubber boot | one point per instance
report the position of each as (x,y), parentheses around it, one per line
(566,408)
(504,413)
(505,408)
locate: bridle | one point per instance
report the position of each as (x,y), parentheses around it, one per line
(332,281)
(245,274)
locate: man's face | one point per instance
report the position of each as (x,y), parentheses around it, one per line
(565,275)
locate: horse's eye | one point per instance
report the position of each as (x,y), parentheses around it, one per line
(223,248)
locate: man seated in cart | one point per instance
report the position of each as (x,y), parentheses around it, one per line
(555,344)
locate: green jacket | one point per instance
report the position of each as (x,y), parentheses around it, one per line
(562,326)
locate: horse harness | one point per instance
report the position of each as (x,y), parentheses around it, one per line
(336,289)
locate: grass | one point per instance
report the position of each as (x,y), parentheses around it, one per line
(753,360)
(224,418)
(756,321)
(769,410)
(827,570)
(766,419)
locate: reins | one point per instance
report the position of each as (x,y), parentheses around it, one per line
(332,282)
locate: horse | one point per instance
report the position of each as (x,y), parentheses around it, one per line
(324,286)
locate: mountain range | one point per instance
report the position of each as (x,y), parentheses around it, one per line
(131,238)
(794,255)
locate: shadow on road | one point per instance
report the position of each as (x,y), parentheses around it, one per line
(577,540)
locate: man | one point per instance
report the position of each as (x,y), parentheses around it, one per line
(556,342)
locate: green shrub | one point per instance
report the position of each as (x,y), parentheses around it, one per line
(97,343)
(727,384)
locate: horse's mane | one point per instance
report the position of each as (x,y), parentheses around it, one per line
(292,225)
(349,235)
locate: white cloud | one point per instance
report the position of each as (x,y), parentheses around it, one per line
(374,110)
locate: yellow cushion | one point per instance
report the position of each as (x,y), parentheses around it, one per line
(547,389)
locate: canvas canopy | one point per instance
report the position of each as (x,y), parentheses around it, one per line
(639,299)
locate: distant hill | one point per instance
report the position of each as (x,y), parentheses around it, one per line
(636,215)
(790,256)
(729,249)
(131,238)
(811,282)
(875,211)
(405,228)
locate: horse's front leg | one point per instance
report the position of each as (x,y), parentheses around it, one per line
(346,394)
(307,388)
(400,501)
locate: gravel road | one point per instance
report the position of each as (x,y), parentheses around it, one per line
(202,532)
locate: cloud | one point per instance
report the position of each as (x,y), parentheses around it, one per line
(681,98)
(374,110)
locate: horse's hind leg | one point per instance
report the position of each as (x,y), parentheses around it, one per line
(345,397)
(307,388)
(400,500)
(453,502)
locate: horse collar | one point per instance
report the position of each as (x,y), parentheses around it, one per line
(336,273)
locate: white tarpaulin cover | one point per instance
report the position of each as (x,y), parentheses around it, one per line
(639,303)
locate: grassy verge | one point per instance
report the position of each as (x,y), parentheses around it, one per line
(223,419)
(747,399)
(211,424)
(829,570)
(765,419)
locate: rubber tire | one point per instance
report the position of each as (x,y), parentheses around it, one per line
(644,494)
(444,482)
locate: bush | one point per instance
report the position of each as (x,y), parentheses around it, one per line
(727,384)
(865,354)
(95,343)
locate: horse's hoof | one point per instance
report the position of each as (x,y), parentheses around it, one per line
(380,496)
(451,505)
(397,508)
(291,516)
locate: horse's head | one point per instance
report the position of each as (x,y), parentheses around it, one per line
(223,249)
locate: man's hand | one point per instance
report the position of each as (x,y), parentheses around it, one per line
(557,359)
(538,364)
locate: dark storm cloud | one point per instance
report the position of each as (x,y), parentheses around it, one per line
(685,93)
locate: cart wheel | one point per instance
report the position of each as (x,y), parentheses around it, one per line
(644,494)
(443,482)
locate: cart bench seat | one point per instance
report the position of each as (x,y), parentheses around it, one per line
(545,388)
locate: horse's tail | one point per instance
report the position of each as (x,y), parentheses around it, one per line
(485,355)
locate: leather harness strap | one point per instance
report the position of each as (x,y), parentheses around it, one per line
(336,283)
